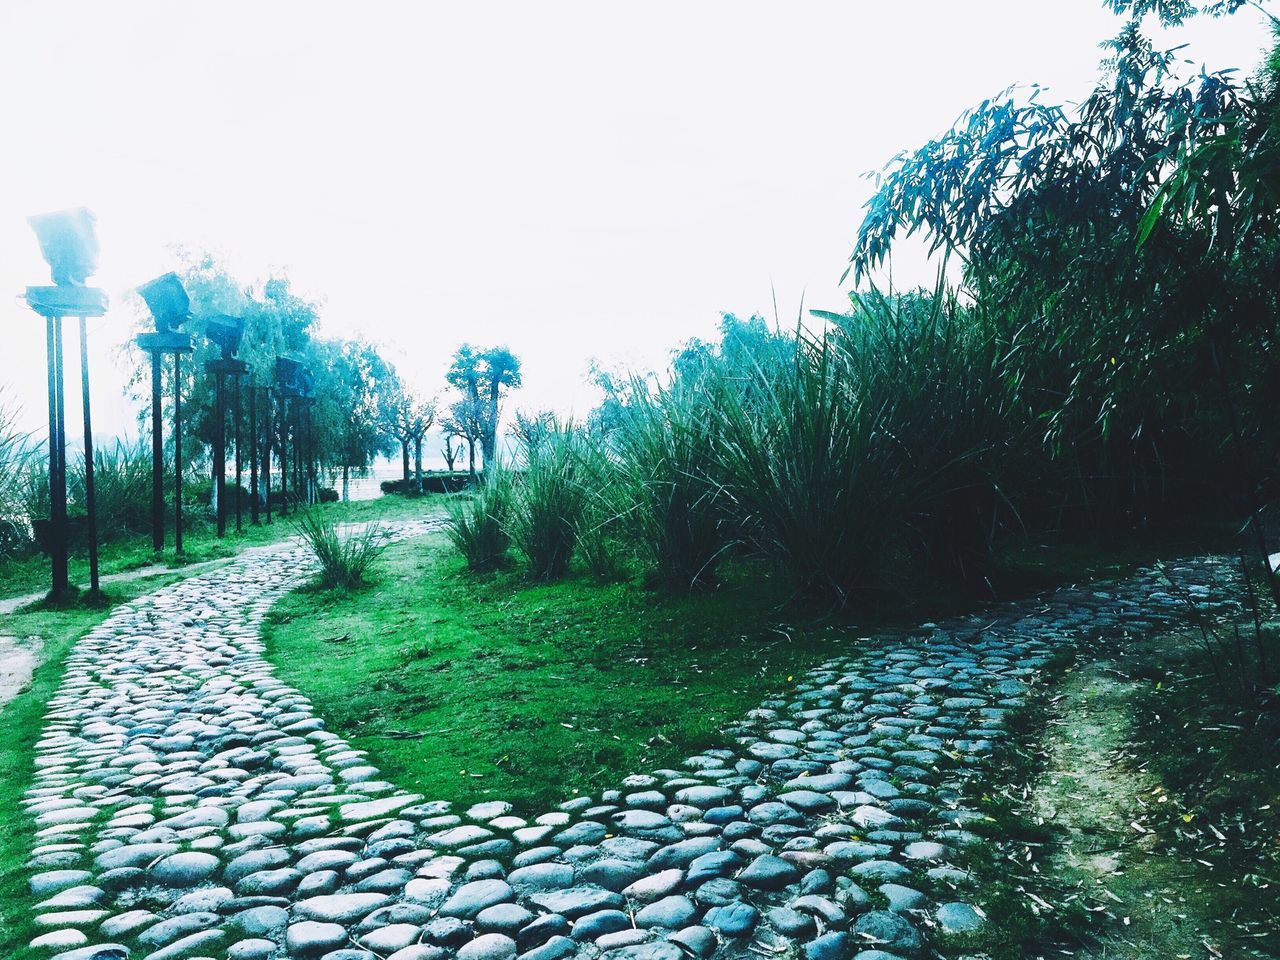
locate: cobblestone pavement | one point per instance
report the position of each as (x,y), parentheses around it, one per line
(189,804)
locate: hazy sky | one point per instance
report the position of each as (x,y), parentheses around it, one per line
(575,180)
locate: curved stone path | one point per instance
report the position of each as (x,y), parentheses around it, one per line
(188,804)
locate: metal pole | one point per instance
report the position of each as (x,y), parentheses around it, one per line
(253,454)
(57,479)
(270,438)
(157,457)
(177,453)
(91,503)
(235,416)
(220,453)
(312,494)
(283,417)
(59,502)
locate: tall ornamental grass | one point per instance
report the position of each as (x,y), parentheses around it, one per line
(811,477)
(600,534)
(17,460)
(478,523)
(549,501)
(665,449)
(122,488)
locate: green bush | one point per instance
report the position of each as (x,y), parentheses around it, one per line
(344,555)
(478,525)
(548,502)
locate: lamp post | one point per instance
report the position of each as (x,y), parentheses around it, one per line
(167,300)
(226,332)
(69,245)
(253,453)
(287,376)
(266,447)
(306,399)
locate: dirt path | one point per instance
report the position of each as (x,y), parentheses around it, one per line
(18,659)
(1148,900)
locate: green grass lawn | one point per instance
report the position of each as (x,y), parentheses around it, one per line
(22,720)
(467,687)
(200,543)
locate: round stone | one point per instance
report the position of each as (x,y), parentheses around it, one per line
(185,869)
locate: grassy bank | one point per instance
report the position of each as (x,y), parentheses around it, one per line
(201,543)
(54,633)
(471,687)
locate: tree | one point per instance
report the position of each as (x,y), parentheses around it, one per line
(358,384)
(424,416)
(531,429)
(464,421)
(484,378)
(407,418)
(1112,321)
(449,451)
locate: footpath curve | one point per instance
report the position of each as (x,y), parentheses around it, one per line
(187,803)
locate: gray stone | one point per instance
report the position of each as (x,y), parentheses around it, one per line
(885,929)
(488,946)
(185,869)
(309,938)
(671,912)
(470,898)
(575,902)
(957,917)
(769,873)
(732,919)
(343,908)
(594,925)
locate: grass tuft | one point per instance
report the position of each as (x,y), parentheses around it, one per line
(345,555)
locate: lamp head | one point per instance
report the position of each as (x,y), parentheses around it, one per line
(68,243)
(167,300)
(287,374)
(226,332)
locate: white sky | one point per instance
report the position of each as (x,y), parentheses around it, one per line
(575,180)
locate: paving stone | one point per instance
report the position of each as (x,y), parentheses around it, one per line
(230,799)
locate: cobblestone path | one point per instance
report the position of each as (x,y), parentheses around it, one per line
(189,804)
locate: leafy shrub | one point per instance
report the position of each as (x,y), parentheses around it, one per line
(477,525)
(327,495)
(548,502)
(432,482)
(345,555)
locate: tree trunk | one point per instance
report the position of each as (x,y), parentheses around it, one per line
(404,458)
(471,455)
(488,449)
(417,461)
(346,483)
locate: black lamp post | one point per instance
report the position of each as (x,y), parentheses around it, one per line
(267,434)
(306,400)
(227,333)
(70,247)
(288,372)
(167,300)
